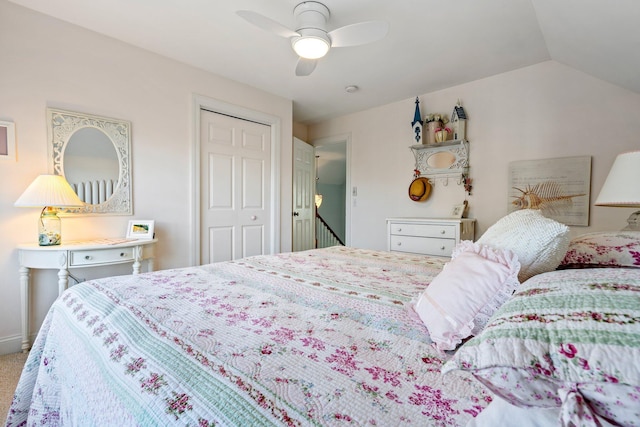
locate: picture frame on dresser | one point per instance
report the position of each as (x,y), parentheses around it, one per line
(140,229)
(458,210)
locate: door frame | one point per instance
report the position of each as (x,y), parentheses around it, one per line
(216,106)
(346,138)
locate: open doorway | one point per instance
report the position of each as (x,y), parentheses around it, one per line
(332,183)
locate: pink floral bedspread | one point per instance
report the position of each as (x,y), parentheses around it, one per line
(323,337)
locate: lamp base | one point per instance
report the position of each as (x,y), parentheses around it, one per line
(49,228)
(633,221)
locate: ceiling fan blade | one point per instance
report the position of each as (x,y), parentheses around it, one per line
(357,34)
(265,23)
(305,66)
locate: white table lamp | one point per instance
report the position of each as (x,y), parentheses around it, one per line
(50,192)
(622,187)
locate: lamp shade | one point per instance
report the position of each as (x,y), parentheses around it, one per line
(49,190)
(622,187)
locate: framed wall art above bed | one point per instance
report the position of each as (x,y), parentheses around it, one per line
(560,187)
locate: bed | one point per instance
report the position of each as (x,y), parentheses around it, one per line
(323,337)
(333,337)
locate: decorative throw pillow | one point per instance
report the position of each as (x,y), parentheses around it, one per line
(460,300)
(604,249)
(500,413)
(568,339)
(539,242)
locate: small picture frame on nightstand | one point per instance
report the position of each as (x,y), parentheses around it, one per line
(140,229)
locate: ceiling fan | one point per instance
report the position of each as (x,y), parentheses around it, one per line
(311,40)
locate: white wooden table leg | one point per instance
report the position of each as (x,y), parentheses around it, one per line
(136,267)
(24,301)
(63,280)
(137,254)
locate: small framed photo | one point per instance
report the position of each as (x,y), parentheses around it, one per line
(458,210)
(7,141)
(140,229)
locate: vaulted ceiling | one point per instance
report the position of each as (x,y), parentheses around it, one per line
(430,45)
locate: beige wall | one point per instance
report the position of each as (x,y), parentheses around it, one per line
(300,131)
(543,111)
(46,62)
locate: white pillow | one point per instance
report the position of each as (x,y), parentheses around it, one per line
(539,242)
(471,287)
(502,413)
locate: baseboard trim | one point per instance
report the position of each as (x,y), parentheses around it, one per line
(10,344)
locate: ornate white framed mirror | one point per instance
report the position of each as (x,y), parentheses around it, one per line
(93,154)
(447,159)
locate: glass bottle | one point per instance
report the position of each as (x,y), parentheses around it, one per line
(49,228)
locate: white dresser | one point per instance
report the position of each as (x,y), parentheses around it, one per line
(428,236)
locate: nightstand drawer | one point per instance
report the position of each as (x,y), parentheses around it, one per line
(443,231)
(101,256)
(422,245)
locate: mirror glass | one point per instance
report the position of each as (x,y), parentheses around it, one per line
(441,160)
(92,153)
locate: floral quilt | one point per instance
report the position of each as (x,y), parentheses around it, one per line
(566,339)
(323,337)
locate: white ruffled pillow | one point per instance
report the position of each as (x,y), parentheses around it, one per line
(471,287)
(540,243)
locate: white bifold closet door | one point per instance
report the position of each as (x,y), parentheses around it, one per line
(235,189)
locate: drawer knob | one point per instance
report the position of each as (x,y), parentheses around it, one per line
(442,248)
(87,257)
(399,229)
(122,254)
(442,231)
(399,243)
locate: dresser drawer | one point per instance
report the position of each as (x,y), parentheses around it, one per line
(100,256)
(422,245)
(444,231)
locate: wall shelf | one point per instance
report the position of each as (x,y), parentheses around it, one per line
(449,159)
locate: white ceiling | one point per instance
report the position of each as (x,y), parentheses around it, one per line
(431,44)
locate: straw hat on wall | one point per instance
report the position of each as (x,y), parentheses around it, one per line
(420,189)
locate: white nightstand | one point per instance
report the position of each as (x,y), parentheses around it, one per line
(78,254)
(428,236)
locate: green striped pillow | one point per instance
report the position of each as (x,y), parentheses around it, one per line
(568,339)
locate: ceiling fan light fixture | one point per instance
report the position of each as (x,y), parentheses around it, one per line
(310,39)
(312,44)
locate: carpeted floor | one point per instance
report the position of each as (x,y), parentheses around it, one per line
(10,368)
